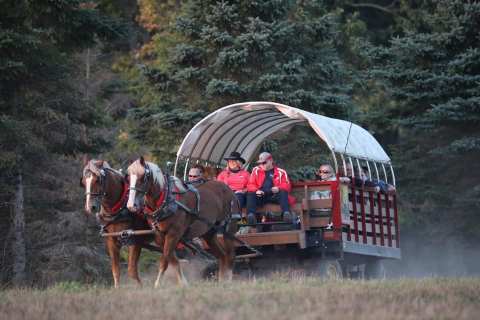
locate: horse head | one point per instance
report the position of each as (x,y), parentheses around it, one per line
(103,185)
(93,176)
(146,181)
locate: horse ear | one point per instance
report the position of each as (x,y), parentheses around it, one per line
(142,161)
(85,159)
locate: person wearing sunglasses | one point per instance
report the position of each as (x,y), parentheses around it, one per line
(236,178)
(326,173)
(268,184)
(195,175)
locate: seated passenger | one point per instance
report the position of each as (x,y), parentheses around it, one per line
(325,173)
(268,184)
(361,179)
(195,175)
(236,177)
(379,185)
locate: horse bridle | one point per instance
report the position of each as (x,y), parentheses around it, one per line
(146,179)
(103,178)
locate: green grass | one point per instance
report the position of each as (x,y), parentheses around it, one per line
(279,297)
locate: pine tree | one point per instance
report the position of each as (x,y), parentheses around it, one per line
(223,52)
(430,80)
(44,116)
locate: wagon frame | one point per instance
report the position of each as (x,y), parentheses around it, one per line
(352,228)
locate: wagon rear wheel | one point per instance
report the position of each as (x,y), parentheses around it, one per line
(330,269)
(375,269)
(210,272)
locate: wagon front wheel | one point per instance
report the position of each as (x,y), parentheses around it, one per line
(330,269)
(375,269)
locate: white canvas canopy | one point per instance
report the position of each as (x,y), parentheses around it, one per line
(244,126)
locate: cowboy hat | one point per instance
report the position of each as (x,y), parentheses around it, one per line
(235,156)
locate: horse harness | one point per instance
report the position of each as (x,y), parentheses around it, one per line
(118,212)
(168,203)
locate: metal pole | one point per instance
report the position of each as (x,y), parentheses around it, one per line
(176,166)
(335,160)
(376,170)
(186,168)
(351,165)
(369,171)
(385,173)
(344,165)
(359,169)
(393,175)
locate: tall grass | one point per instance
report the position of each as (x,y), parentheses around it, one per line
(275,298)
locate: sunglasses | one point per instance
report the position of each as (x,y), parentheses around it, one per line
(263,162)
(193,176)
(324,171)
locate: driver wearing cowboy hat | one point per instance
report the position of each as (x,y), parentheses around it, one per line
(236,177)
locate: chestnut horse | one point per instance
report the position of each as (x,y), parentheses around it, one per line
(174,215)
(106,190)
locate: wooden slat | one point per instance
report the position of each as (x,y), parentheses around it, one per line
(316,222)
(369,239)
(362,210)
(372,215)
(369,228)
(320,204)
(389,229)
(380,214)
(395,218)
(355,215)
(270,238)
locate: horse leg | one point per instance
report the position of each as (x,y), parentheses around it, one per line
(171,242)
(218,252)
(113,249)
(162,261)
(133,257)
(229,248)
(168,257)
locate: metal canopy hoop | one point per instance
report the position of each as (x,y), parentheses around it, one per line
(244,126)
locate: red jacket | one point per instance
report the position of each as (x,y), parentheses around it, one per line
(280,180)
(237,181)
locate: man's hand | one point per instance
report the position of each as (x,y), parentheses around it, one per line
(260,193)
(275,189)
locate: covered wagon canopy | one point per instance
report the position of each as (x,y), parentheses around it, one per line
(244,126)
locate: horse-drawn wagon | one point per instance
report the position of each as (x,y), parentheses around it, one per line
(342,228)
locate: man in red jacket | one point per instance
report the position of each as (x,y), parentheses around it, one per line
(268,184)
(236,178)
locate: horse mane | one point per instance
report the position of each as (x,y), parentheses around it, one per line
(138,169)
(95,166)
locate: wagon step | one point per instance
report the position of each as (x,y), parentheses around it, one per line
(247,256)
(246,251)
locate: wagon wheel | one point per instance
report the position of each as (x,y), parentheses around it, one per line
(375,269)
(210,271)
(330,269)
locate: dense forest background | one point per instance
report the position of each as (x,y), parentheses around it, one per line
(118,78)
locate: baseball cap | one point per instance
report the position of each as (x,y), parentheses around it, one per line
(264,156)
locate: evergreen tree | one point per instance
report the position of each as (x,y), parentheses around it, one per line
(223,52)
(45,117)
(431,77)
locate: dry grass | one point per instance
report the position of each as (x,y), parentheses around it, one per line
(277,298)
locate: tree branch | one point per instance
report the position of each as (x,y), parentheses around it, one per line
(374,6)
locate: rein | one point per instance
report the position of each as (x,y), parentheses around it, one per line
(121,203)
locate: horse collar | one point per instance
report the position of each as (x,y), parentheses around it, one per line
(162,198)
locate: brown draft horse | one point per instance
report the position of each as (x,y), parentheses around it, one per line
(150,191)
(107,190)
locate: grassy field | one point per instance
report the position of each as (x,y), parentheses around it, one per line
(275,298)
